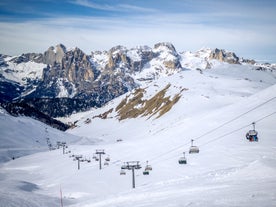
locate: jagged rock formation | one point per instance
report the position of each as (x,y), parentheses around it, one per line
(24,58)
(60,82)
(54,54)
(72,83)
(168,55)
(224,56)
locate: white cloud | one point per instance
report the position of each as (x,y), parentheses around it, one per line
(186,32)
(112,7)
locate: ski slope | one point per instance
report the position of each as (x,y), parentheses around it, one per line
(216,111)
(23,135)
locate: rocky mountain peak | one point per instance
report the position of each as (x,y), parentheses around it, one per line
(62,81)
(165,45)
(117,57)
(118,49)
(54,54)
(167,54)
(224,56)
(24,58)
(77,66)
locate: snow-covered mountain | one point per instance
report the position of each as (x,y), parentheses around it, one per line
(210,101)
(63,81)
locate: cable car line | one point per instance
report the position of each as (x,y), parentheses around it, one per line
(265,117)
(220,126)
(176,148)
(237,129)
(224,135)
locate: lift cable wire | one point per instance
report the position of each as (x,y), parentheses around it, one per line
(229,133)
(222,136)
(220,126)
(234,119)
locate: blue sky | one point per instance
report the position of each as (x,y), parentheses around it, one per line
(245,27)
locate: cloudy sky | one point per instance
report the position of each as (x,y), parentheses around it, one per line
(247,27)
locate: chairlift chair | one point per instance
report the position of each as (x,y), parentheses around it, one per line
(107,159)
(252,135)
(122,172)
(146,172)
(182,160)
(193,149)
(148,167)
(106,163)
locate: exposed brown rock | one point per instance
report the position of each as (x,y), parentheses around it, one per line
(134,105)
(224,56)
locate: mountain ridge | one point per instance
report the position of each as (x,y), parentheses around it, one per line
(71,81)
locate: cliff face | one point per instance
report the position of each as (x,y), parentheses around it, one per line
(71,83)
(224,56)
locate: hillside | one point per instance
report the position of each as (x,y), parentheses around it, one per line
(22,136)
(215,107)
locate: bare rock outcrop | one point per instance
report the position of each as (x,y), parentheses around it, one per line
(224,56)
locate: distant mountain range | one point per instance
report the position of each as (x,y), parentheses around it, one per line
(60,82)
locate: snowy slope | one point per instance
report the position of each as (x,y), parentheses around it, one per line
(22,136)
(216,111)
(22,72)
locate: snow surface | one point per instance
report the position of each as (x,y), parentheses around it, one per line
(22,71)
(22,135)
(216,111)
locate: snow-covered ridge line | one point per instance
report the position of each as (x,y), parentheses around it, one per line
(73,81)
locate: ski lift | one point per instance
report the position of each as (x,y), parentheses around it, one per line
(97,159)
(94,156)
(251,135)
(123,167)
(122,172)
(146,172)
(182,160)
(148,167)
(193,149)
(106,163)
(107,158)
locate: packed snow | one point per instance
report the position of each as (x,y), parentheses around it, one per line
(216,110)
